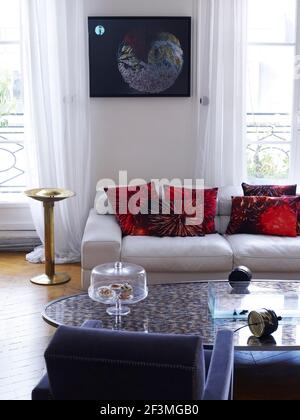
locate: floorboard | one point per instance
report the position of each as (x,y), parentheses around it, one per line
(23,334)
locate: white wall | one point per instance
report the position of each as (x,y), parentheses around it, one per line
(149,137)
(15,216)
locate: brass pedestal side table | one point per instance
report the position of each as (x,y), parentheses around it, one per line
(49,197)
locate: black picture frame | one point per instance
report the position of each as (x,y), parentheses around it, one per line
(114,73)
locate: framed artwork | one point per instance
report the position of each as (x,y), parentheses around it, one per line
(140,56)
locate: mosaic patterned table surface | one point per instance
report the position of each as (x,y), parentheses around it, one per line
(178,309)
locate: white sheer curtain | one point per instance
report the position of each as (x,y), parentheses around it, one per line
(57,126)
(222,86)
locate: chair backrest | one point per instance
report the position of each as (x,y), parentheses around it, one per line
(89,364)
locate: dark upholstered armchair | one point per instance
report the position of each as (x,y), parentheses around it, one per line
(93,364)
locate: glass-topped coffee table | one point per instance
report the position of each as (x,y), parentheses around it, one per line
(181,309)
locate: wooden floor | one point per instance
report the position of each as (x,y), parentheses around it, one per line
(23,334)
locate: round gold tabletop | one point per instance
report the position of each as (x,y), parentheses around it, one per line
(49,194)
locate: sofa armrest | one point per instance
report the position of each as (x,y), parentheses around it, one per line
(102,241)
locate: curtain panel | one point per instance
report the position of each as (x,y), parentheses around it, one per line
(222,39)
(56,94)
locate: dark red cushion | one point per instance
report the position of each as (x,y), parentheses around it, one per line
(298,217)
(269,190)
(264,215)
(161,223)
(169,223)
(121,198)
(189,196)
(132,210)
(273,191)
(133,225)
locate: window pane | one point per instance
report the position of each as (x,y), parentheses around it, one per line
(272,21)
(12,157)
(267,162)
(11,98)
(270,79)
(9,20)
(270,88)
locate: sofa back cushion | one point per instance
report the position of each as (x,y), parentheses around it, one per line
(102,204)
(221,223)
(225,199)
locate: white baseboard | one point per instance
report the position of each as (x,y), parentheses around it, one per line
(18,241)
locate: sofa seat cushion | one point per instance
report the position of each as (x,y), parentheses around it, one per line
(266,253)
(211,253)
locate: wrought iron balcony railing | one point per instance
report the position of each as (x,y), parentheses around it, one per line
(12,160)
(269,137)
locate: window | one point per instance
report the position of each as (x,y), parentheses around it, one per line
(12,179)
(270,88)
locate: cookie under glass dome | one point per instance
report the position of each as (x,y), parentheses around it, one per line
(118,284)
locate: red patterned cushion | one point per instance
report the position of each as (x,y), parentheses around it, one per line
(269,190)
(131,206)
(136,219)
(264,215)
(133,225)
(297,197)
(190,195)
(132,200)
(169,223)
(273,191)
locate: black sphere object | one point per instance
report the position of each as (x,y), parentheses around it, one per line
(240,279)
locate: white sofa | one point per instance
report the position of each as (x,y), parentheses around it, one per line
(190,259)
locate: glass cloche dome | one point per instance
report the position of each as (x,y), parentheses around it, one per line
(117,284)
